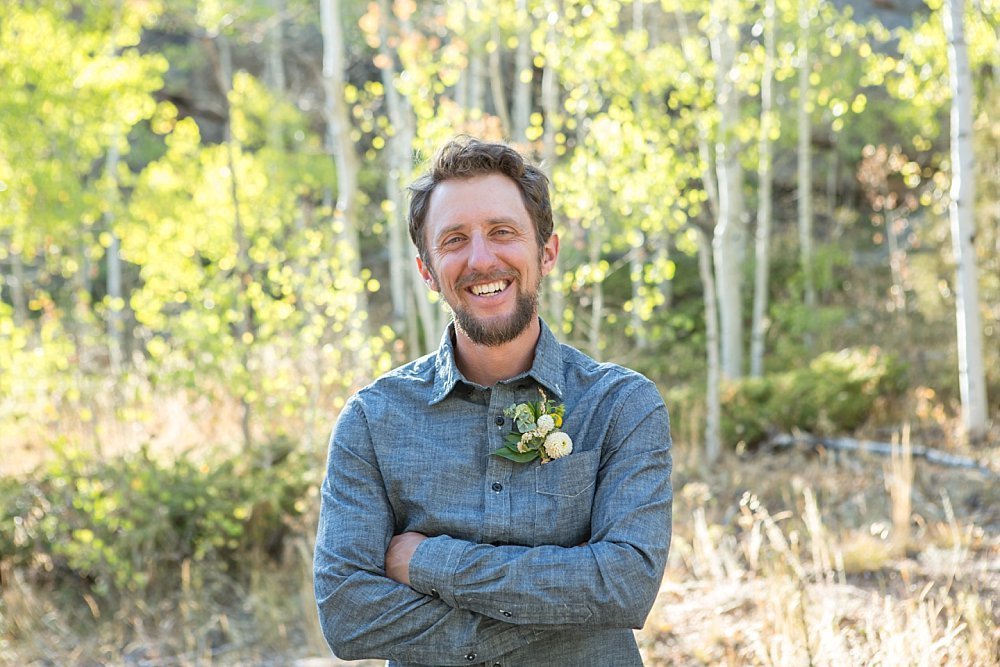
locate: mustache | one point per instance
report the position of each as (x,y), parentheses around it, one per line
(477,278)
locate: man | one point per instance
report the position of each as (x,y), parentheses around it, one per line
(433,549)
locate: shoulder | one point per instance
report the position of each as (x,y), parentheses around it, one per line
(613,380)
(411,378)
(400,388)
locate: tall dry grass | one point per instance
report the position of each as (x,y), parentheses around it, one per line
(799,560)
(780,559)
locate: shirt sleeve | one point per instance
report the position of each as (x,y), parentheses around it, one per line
(365,614)
(612,580)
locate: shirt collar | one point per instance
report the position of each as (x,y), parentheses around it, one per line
(546,368)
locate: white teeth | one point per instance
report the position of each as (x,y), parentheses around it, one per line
(488,288)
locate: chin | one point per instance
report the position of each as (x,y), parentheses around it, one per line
(494,331)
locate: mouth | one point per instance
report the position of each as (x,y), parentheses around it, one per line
(489,289)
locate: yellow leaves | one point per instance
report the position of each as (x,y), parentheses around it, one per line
(83,535)
(186,137)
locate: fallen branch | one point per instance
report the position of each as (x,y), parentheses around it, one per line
(880,448)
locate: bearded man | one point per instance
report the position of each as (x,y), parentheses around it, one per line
(506,500)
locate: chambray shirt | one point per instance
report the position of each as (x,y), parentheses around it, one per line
(527,564)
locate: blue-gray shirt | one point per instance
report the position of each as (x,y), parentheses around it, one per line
(527,564)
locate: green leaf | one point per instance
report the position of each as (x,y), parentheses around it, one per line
(512,439)
(516,456)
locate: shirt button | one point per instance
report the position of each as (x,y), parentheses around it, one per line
(497,664)
(434,593)
(506,613)
(470,657)
(498,421)
(497,486)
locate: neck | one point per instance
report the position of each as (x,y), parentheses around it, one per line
(488,364)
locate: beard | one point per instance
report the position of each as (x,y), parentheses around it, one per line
(499,330)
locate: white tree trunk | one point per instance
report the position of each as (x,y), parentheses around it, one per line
(339,145)
(403,123)
(115,322)
(639,256)
(475,103)
(243,272)
(595,239)
(497,85)
(335,110)
(275,70)
(728,239)
(762,264)
(524,75)
(637,261)
(971,373)
(550,110)
(713,404)
(18,293)
(805,160)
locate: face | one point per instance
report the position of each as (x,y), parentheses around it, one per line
(484,256)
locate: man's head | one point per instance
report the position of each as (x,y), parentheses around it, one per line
(482,224)
(465,157)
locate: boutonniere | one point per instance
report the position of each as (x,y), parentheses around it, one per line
(535,433)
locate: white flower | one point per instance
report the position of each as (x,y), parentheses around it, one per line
(545,424)
(558,445)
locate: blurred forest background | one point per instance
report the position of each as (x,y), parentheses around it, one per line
(203,253)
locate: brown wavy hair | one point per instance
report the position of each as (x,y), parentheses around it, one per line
(466,157)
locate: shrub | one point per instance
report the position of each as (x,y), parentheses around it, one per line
(124,526)
(836,392)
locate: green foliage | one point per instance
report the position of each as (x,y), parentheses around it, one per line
(835,393)
(127,525)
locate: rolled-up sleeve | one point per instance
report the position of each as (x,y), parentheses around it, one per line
(363,613)
(613,579)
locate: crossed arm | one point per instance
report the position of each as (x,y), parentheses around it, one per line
(436,599)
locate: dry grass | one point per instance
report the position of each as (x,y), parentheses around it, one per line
(780,559)
(796,559)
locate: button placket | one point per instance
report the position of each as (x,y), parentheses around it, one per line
(497,516)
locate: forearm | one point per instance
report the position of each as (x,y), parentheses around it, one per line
(605,583)
(363,612)
(611,581)
(368,616)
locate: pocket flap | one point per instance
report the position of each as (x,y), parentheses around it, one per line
(569,476)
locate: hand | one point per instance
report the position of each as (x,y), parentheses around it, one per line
(399,553)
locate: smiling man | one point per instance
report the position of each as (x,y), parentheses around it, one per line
(445,536)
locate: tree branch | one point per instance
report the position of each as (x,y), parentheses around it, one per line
(881,448)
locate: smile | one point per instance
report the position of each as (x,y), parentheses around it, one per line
(489,288)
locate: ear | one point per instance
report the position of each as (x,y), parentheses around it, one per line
(550,252)
(428,275)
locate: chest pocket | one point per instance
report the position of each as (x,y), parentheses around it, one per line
(564,498)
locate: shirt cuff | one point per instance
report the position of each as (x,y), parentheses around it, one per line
(433,567)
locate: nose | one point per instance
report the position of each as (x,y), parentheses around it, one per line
(481,255)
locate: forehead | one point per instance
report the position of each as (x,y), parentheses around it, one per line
(476,200)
